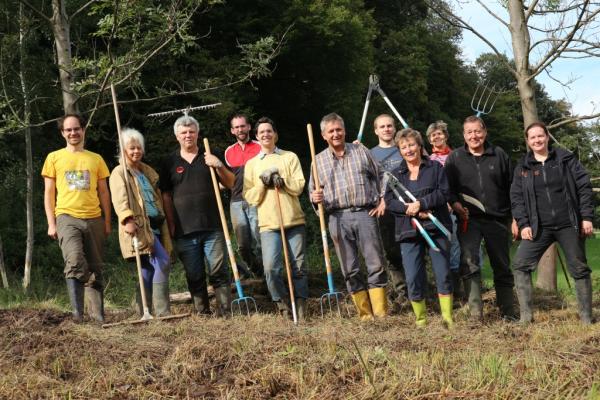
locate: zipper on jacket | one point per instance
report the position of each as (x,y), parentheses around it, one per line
(548,192)
(481,191)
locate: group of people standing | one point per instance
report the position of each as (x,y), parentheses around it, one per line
(450,202)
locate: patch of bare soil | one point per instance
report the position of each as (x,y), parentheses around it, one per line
(43,354)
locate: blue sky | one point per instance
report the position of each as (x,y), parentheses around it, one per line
(582,93)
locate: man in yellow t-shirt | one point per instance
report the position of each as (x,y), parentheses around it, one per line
(77,205)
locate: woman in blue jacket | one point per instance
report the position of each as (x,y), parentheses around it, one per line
(551,200)
(427,182)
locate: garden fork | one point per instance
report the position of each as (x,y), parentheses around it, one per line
(332,298)
(484,98)
(242,301)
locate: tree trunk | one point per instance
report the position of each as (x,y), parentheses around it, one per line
(62,38)
(26,121)
(2,267)
(520,43)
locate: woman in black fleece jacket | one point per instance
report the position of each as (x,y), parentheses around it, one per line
(551,200)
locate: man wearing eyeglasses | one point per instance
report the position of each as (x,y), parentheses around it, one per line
(479,175)
(77,205)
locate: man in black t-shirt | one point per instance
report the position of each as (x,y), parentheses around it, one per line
(193,216)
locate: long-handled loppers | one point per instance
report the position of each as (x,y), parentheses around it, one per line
(247,301)
(389,179)
(332,296)
(374,85)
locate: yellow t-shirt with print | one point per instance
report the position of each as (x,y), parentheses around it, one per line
(76,176)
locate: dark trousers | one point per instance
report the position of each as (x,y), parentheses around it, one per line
(497,236)
(530,251)
(393,256)
(413,257)
(351,231)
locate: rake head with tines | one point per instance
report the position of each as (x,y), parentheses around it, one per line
(243,304)
(484,98)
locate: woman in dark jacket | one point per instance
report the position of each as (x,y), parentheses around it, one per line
(551,199)
(427,182)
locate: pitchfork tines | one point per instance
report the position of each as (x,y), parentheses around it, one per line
(484,98)
(243,304)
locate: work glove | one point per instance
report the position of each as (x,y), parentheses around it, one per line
(277,180)
(267,176)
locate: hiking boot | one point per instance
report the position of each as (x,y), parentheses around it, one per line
(524,294)
(473,284)
(505,299)
(160,299)
(379,302)
(420,310)
(223,297)
(95,303)
(363,305)
(583,288)
(75,290)
(446,309)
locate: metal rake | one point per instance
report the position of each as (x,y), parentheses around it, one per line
(484,98)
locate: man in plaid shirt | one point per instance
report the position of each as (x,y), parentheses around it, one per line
(351,194)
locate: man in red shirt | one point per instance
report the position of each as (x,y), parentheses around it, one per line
(244,217)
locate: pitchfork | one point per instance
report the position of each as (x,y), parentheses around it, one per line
(332,296)
(484,98)
(242,301)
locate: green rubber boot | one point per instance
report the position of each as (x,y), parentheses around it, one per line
(420,310)
(446,309)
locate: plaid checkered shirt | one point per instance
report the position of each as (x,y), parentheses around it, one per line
(350,181)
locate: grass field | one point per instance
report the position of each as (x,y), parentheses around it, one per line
(44,355)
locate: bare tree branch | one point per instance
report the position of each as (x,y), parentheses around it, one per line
(82,8)
(493,14)
(458,22)
(530,9)
(570,120)
(35,10)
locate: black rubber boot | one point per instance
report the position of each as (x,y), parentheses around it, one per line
(160,299)
(95,303)
(505,300)
(524,294)
(457,287)
(473,284)
(223,297)
(583,287)
(301,309)
(201,303)
(75,290)
(283,309)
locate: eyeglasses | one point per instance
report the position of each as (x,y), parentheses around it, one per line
(68,130)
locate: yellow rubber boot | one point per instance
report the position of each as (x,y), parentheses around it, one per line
(420,310)
(363,305)
(446,309)
(378,302)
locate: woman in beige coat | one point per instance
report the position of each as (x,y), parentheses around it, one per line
(138,205)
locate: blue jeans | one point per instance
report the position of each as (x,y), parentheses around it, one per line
(196,248)
(454,246)
(413,258)
(273,262)
(244,219)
